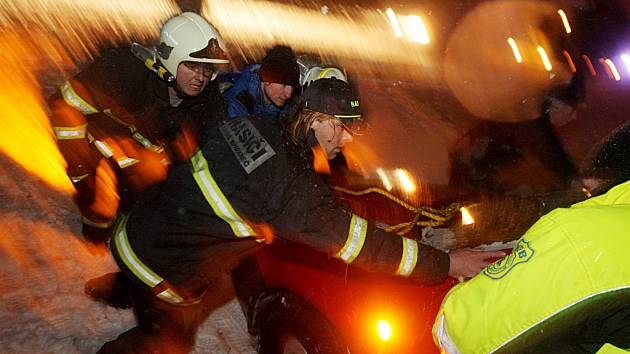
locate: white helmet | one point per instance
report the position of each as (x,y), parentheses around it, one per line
(189,37)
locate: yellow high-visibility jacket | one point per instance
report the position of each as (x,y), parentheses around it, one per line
(569,264)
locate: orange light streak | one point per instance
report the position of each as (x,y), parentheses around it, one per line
(544,58)
(515,50)
(606,68)
(589,64)
(565,21)
(391,15)
(416,30)
(467,218)
(252,26)
(386,183)
(405,180)
(567,56)
(613,69)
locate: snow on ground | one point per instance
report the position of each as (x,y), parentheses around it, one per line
(43,266)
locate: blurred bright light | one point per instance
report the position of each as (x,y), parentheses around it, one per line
(567,56)
(544,58)
(626,60)
(384,330)
(613,69)
(386,183)
(405,180)
(416,30)
(517,53)
(394,21)
(589,64)
(565,21)
(467,219)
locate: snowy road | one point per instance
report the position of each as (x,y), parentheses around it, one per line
(43,266)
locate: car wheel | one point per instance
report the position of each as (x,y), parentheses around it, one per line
(290,325)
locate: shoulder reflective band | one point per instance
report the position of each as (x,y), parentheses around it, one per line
(409,257)
(68,133)
(98,225)
(126,161)
(77,179)
(139,269)
(74,100)
(355,240)
(103,148)
(215,197)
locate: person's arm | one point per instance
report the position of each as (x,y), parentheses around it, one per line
(313,217)
(90,173)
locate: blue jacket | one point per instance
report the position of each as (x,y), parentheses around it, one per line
(246,96)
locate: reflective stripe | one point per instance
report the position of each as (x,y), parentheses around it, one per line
(139,269)
(348,116)
(127,161)
(441,335)
(74,100)
(67,133)
(215,197)
(409,257)
(355,240)
(77,179)
(98,225)
(103,148)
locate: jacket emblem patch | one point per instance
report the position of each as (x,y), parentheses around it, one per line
(521,253)
(247,144)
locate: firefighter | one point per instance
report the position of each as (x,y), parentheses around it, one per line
(120,126)
(265,89)
(253,181)
(565,288)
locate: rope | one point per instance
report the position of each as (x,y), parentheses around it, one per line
(433,217)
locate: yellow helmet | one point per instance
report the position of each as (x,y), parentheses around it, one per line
(189,37)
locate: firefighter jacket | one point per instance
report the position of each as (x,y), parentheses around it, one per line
(247,96)
(248,184)
(119,133)
(566,269)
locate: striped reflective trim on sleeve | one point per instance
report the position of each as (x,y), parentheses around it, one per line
(126,161)
(103,148)
(215,197)
(77,179)
(74,100)
(355,240)
(139,269)
(409,257)
(98,225)
(68,133)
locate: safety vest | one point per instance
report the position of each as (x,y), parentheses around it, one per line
(569,257)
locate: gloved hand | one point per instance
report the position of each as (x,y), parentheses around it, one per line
(468,262)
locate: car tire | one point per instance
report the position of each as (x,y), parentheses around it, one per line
(288,324)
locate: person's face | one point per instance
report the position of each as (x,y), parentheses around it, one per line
(561,113)
(279,94)
(193,77)
(331,136)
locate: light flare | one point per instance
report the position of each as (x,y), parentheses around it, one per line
(570,62)
(626,60)
(613,69)
(41,42)
(386,182)
(545,59)
(589,65)
(467,218)
(405,180)
(565,21)
(393,20)
(515,50)
(384,330)
(416,30)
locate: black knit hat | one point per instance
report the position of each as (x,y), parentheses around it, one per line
(334,97)
(280,66)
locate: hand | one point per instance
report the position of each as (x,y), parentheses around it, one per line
(467,262)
